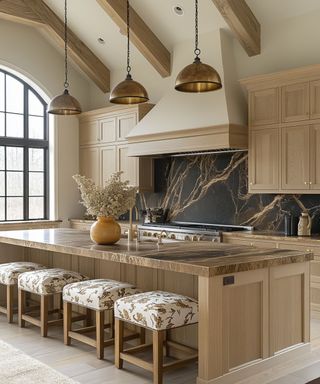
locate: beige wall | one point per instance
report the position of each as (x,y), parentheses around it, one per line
(26,51)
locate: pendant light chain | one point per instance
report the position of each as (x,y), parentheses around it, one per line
(196,49)
(128,38)
(66,84)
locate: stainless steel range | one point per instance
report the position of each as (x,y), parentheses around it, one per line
(188,231)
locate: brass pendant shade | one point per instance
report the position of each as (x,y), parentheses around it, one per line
(128,92)
(198,77)
(64,104)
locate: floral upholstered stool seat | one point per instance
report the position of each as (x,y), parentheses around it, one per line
(46,283)
(97,295)
(159,312)
(9,273)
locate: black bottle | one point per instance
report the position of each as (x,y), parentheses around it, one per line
(288,224)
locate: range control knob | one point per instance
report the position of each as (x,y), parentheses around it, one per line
(215,240)
(187,238)
(155,235)
(145,234)
(194,238)
(149,234)
(173,236)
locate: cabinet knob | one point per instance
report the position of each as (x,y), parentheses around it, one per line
(251,183)
(306,183)
(310,182)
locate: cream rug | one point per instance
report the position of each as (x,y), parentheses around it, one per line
(18,368)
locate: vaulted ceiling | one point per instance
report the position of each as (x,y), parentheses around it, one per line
(90,20)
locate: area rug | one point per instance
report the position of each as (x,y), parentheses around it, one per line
(18,368)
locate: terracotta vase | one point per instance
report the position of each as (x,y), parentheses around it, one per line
(105,231)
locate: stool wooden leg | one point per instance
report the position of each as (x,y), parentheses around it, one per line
(88,320)
(44,315)
(10,303)
(100,334)
(158,337)
(21,307)
(142,335)
(118,343)
(67,322)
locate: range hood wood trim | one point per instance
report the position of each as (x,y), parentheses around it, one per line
(185,133)
(200,139)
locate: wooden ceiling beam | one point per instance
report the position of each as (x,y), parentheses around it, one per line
(141,35)
(243,23)
(36,11)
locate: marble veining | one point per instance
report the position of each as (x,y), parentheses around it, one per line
(202,259)
(214,189)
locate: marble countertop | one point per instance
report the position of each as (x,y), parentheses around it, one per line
(277,236)
(199,258)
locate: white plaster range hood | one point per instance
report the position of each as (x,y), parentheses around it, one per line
(182,123)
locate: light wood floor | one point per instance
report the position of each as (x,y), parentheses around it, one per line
(79,361)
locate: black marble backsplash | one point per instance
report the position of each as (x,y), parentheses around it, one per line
(214,189)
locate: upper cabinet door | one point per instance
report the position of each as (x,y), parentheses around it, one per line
(89,133)
(315,99)
(127,165)
(108,165)
(264,160)
(124,125)
(295,158)
(315,157)
(108,130)
(295,102)
(264,107)
(89,163)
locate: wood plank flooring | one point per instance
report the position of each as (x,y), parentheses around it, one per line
(79,361)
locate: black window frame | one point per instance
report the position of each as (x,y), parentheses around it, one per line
(27,143)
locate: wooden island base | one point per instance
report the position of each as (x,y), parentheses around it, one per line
(253,303)
(258,322)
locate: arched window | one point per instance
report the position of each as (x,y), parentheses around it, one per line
(23,151)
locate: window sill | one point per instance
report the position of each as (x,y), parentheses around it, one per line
(16,225)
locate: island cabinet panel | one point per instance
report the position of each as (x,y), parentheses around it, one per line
(295,102)
(264,160)
(264,107)
(289,306)
(245,319)
(295,158)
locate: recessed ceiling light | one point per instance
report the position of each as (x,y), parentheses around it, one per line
(101,40)
(178,10)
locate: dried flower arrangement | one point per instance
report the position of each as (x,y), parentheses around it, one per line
(113,199)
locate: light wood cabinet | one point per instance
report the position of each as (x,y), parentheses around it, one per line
(315,157)
(295,158)
(294,95)
(264,107)
(264,160)
(108,162)
(89,158)
(295,102)
(104,149)
(315,99)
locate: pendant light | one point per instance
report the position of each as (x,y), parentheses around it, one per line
(198,77)
(65,104)
(128,91)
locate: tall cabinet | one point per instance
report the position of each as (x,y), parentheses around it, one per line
(103,146)
(284,131)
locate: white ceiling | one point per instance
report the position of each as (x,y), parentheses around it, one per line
(89,22)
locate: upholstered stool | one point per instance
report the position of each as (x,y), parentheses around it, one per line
(159,312)
(97,295)
(9,273)
(46,283)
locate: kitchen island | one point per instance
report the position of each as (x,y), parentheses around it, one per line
(253,303)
